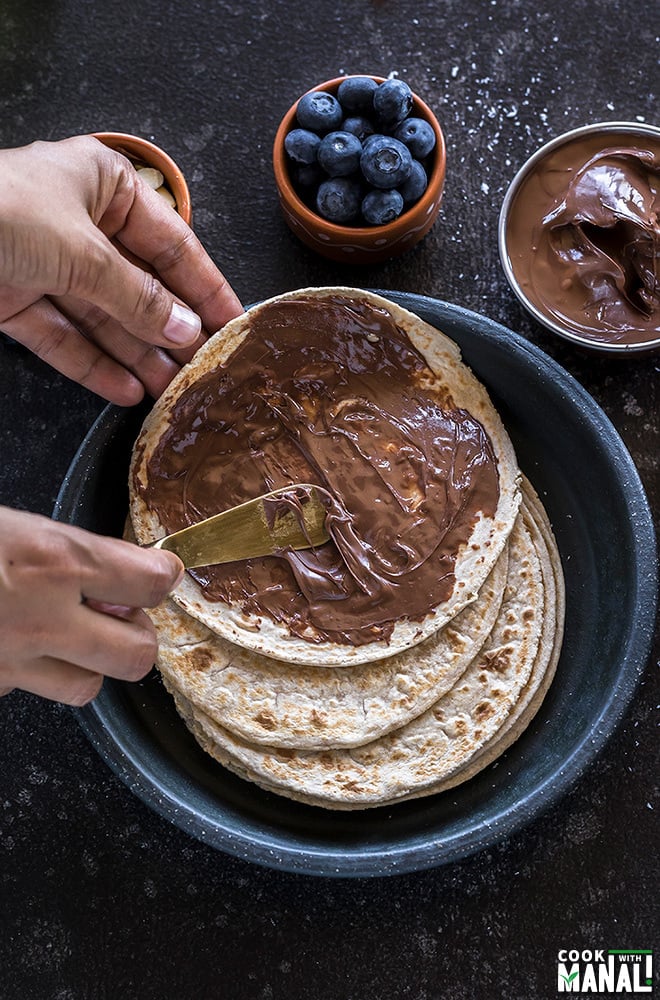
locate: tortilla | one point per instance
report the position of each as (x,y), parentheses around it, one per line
(543,670)
(267,701)
(452,380)
(417,757)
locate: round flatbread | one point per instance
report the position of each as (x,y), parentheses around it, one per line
(543,671)
(414,759)
(272,702)
(455,387)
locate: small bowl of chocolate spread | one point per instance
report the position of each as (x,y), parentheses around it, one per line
(579,237)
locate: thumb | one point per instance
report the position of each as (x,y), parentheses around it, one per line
(130,576)
(136,299)
(176,569)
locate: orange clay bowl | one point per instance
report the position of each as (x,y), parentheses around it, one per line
(142,151)
(360,244)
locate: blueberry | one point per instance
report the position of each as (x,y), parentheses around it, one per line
(358,125)
(371,138)
(415,184)
(417,135)
(392,101)
(302,145)
(339,153)
(306,176)
(319,111)
(356,93)
(380,207)
(386,162)
(338,199)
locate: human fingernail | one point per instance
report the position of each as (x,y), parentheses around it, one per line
(116,610)
(183,326)
(180,572)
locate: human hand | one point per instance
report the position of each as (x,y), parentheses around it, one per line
(71,607)
(68,294)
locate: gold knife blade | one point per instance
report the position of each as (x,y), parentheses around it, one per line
(292,517)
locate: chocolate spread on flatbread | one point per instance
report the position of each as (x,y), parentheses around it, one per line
(332,392)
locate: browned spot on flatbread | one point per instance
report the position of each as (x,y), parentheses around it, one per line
(265,720)
(350,785)
(497,660)
(484,710)
(200,659)
(318,719)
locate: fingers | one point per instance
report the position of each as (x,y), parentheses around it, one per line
(118,572)
(87,346)
(160,237)
(103,640)
(153,366)
(135,298)
(59,681)
(162,290)
(119,610)
(71,607)
(46,566)
(121,647)
(45,330)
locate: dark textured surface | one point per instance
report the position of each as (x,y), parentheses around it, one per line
(99,897)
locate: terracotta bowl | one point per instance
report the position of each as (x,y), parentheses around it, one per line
(142,151)
(360,244)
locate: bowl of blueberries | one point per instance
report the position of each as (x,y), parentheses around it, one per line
(359,165)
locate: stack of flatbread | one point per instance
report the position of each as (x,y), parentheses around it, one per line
(351,727)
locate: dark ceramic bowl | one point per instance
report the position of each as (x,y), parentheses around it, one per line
(141,151)
(359,244)
(608,553)
(600,135)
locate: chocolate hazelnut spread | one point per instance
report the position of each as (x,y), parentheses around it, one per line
(583,237)
(331,393)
